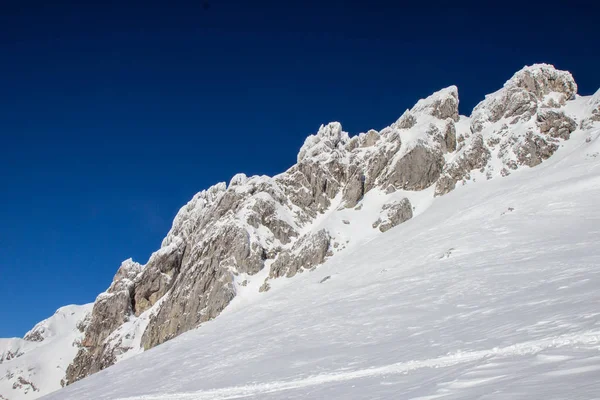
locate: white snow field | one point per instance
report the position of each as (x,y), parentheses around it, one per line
(493,292)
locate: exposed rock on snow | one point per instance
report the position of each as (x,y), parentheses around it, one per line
(394,214)
(355,187)
(158,276)
(555,124)
(450,137)
(418,169)
(442,104)
(306,253)
(474,156)
(406,121)
(111,309)
(328,139)
(592,114)
(523,93)
(534,150)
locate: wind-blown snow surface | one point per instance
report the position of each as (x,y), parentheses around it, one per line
(492,293)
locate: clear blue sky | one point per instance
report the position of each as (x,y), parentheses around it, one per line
(113,115)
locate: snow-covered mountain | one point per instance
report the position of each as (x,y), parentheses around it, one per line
(369,303)
(36,365)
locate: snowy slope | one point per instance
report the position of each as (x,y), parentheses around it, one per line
(34,366)
(489,292)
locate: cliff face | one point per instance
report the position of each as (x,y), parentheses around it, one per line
(258,229)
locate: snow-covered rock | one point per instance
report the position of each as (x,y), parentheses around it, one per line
(441,104)
(394,214)
(36,365)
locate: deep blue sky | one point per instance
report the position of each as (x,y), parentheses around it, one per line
(113,115)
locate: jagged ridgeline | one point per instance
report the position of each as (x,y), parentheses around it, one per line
(235,231)
(255,230)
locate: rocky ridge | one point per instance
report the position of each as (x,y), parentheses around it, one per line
(254,231)
(229,233)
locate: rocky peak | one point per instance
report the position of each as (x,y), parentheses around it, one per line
(183,223)
(539,85)
(544,79)
(441,104)
(332,131)
(324,143)
(237,180)
(125,275)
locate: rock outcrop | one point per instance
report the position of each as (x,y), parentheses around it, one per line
(394,214)
(111,310)
(306,253)
(520,98)
(555,124)
(475,156)
(418,169)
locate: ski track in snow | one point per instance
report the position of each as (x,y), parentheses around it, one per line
(590,338)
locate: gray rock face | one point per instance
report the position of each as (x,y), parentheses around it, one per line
(328,139)
(447,108)
(446,140)
(556,124)
(368,139)
(520,123)
(523,94)
(157,278)
(265,214)
(322,181)
(111,310)
(476,156)
(442,104)
(355,188)
(417,170)
(593,115)
(378,162)
(204,286)
(543,79)
(307,252)
(406,121)
(535,150)
(450,137)
(220,245)
(34,336)
(393,214)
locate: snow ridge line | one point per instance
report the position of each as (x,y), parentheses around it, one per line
(589,338)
